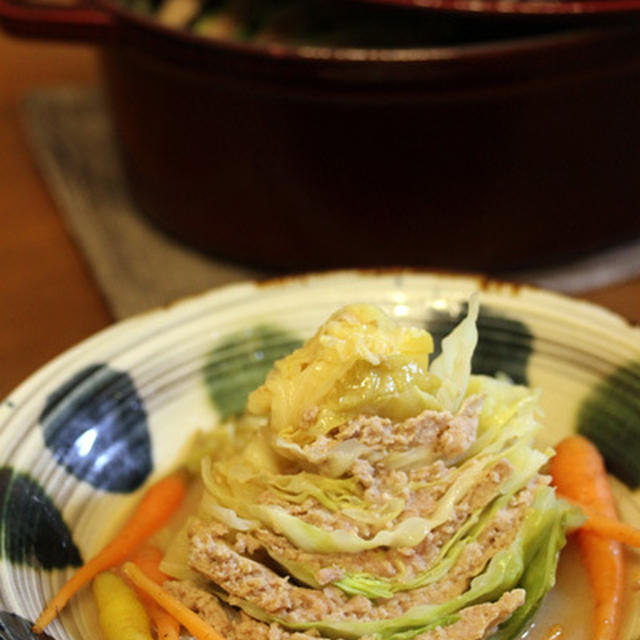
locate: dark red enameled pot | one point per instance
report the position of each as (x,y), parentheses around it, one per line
(483,156)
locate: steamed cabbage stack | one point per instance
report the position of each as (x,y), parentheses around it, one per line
(382,493)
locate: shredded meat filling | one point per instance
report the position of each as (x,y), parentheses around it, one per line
(474,623)
(448,435)
(420,502)
(233,624)
(329,567)
(246,580)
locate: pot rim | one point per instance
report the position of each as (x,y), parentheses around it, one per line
(577,34)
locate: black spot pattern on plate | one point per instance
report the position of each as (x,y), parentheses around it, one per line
(14,627)
(504,344)
(240,363)
(610,418)
(96,427)
(31,528)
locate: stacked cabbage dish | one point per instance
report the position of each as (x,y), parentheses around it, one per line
(375,491)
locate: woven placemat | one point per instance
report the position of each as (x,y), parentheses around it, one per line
(137,266)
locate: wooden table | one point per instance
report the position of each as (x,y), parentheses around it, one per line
(48,300)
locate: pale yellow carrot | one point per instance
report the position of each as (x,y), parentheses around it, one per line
(120,613)
(156,507)
(148,559)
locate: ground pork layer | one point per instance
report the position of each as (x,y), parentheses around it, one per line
(387,563)
(474,623)
(447,435)
(249,581)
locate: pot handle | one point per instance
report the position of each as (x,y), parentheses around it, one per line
(83,22)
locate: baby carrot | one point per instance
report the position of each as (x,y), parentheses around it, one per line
(156,507)
(167,627)
(148,559)
(578,472)
(191,621)
(610,528)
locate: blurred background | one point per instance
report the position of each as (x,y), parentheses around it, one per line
(150,151)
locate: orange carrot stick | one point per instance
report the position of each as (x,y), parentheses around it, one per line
(610,528)
(578,472)
(191,621)
(167,627)
(148,559)
(156,507)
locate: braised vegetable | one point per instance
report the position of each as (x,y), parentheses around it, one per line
(367,454)
(579,473)
(120,613)
(156,507)
(148,559)
(610,528)
(189,620)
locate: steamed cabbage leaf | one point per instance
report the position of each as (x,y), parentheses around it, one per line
(529,560)
(300,476)
(453,365)
(359,361)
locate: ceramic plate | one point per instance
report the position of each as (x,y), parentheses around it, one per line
(81,437)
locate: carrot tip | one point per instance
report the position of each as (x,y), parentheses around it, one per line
(156,506)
